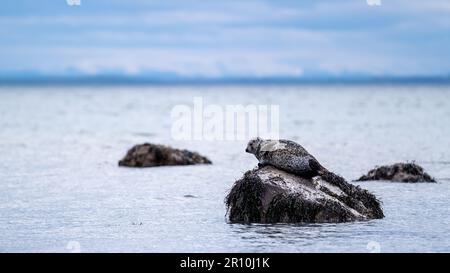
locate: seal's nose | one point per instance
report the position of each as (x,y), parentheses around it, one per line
(246,150)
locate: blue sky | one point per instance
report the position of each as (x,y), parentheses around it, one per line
(228,38)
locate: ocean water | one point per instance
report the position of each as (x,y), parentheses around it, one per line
(62,191)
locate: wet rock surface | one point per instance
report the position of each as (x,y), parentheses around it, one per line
(399,172)
(153,155)
(271,195)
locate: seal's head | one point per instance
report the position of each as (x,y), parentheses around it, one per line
(253,145)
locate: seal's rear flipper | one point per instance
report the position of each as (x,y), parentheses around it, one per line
(333,178)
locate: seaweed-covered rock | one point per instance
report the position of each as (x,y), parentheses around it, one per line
(399,172)
(270,195)
(152,155)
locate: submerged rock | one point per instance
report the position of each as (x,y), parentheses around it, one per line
(270,195)
(152,155)
(399,172)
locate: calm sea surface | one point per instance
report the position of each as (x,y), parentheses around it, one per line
(61,189)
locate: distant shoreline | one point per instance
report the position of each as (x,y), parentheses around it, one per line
(112,80)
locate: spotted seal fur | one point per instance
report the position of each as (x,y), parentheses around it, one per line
(289,156)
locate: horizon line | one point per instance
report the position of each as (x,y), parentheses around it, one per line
(142,80)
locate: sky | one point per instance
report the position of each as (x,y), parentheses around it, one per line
(225,39)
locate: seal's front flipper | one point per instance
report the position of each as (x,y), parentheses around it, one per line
(261,165)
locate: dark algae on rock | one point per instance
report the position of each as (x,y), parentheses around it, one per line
(268,194)
(399,172)
(152,155)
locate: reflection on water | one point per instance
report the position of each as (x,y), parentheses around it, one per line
(299,235)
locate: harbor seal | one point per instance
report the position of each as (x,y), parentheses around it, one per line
(291,157)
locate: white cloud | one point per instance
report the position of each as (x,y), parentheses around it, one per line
(235,38)
(184,62)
